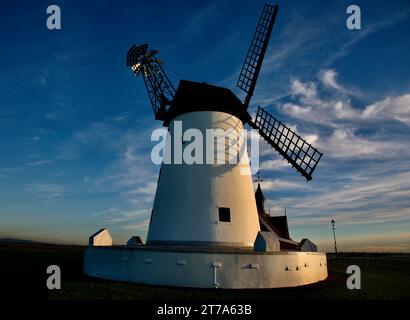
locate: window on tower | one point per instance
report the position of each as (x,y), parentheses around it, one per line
(224,214)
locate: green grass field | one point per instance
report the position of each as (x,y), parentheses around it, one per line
(23,276)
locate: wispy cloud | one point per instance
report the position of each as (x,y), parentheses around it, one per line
(344,143)
(46,190)
(10,171)
(372,27)
(394,108)
(39,162)
(103,165)
(275,164)
(344,121)
(116,218)
(123,217)
(281,184)
(61,113)
(363,178)
(198,20)
(328,77)
(140,226)
(371,192)
(297,47)
(130,174)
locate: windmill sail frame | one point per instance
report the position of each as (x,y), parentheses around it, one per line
(256,52)
(296,150)
(159,87)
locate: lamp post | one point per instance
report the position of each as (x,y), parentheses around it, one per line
(334,234)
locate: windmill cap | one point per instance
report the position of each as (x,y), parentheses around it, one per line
(196,96)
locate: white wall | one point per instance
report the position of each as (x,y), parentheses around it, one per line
(195,269)
(102,238)
(188,196)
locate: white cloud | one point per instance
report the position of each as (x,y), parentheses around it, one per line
(307,90)
(363,178)
(397,108)
(312,108)
(344,143)
(299,50)
(280,184)
(345,121)
(276,164)
(328,79)
(381,198)
(311,138)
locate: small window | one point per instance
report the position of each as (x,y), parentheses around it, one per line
(224,215)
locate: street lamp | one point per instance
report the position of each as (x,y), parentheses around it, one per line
(334,234)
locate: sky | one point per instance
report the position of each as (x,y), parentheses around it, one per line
(75,124)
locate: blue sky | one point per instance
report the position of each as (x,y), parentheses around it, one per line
(75,125)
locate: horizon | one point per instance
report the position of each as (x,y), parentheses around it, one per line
(383,250)
(75,124)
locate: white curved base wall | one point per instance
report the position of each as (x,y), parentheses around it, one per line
(228,269)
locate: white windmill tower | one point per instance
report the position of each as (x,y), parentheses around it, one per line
(204,215)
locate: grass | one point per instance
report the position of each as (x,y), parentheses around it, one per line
(23,272)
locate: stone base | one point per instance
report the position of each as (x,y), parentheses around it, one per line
(229,268)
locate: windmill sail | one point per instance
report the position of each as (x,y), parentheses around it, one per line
(297,151)
(159,87)
(135,53)
(253,62)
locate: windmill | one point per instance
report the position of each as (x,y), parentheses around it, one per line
(207,228)
(291,146)
(183,189)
